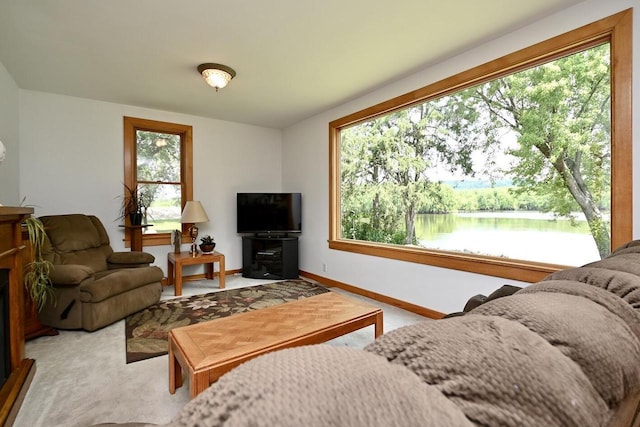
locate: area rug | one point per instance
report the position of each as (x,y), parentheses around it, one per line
(147,331)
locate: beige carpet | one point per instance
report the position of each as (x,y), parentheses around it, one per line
(82,378)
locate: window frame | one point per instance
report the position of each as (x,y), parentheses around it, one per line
(131,126)
(615,29)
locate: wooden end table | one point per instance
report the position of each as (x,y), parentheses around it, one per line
(209,349)
(175,262)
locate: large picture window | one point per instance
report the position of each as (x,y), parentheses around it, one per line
(513,169)
(158,162)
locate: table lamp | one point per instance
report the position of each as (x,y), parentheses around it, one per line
(193,213)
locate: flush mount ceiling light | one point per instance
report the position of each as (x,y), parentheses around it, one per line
(216,75)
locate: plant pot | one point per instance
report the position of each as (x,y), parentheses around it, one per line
(135,218)
(207,248)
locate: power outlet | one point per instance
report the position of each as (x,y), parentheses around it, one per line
(324,267)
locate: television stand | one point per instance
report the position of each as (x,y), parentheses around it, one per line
(271,235)
(270,257)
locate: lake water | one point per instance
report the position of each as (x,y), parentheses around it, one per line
(533,236)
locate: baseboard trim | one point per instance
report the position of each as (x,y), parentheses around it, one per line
(418,309)
(423,311)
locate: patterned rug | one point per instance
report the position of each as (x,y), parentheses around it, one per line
(147,331)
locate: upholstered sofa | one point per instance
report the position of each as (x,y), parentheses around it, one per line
(93,285)
(562,352)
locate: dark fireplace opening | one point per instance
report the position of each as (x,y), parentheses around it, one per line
(5,350)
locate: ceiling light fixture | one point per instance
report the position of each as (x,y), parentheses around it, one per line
(216,75)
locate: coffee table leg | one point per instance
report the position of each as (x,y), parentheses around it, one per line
(175,371)
(379,324)
(198,382)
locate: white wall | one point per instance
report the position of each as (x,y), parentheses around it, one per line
(306,160)
(71,153)
(9,169)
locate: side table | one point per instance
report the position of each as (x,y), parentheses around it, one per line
(175,262)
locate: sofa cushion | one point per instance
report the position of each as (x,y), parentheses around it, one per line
(77,239)
(546,313)
(626,260)
(620,283)
(114,282)
(70,275)
(74,232)
(95,258)
(320,385)
(96,315)
(608,300)
(497,371)
(477,300)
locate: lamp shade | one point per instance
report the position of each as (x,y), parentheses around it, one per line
(193,212)
(216,75)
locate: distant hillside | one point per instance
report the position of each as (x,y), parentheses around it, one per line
(471,184)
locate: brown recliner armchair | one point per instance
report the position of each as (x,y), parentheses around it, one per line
(93,285)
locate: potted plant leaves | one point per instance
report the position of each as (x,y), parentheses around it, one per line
(36,275)
(207,245)
(135,203)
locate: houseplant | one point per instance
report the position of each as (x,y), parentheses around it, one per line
(36,275)
(207,244)
(135,203)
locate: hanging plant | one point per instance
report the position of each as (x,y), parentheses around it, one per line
(36,276)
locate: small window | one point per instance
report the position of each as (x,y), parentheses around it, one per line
(158,161)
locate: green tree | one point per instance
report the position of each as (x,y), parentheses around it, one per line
(159,157)
(370,207)
(388,159)
(560,113)
(440,199)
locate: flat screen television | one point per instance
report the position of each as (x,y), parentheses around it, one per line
(266,213)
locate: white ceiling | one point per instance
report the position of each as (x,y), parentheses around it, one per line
(293,58)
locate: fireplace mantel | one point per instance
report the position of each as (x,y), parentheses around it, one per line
(22,370)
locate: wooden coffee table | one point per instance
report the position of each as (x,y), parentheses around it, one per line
(209,349)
